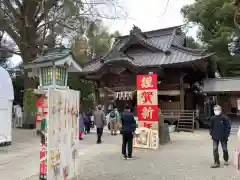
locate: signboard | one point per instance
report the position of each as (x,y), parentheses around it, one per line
(59,135)
(238,104)
(147,111)
(147,97)
(41,116)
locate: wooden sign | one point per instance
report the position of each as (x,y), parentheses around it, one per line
(147,97)
(147,111)
(59,135)
(238,104)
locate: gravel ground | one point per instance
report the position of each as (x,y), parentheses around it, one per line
(187,157)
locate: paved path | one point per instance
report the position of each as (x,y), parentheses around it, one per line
(187,157)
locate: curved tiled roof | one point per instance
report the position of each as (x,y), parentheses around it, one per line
(149,59)
(53,55)
(167,41)
(220,85)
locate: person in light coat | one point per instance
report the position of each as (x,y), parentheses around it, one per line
(100,122)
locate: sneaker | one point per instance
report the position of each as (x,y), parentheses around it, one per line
(130,158)
(80,138)
(226,163)
(125,157)
(215,165)
(99,142)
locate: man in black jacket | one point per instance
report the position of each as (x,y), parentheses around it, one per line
(128,129)
(220,128)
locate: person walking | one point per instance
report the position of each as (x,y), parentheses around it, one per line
(88,125)
(220,128)
(81,125)
(100,122)
(113,121)
(128,129)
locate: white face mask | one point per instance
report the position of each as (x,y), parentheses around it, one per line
(217,113)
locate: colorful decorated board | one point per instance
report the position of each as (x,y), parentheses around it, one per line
(59,135)
(147,109)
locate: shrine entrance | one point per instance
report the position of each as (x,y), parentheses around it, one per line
(180,71)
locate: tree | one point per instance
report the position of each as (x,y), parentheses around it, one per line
(37,24)
(4,54)
(94,43)
(192,43)
(215,19)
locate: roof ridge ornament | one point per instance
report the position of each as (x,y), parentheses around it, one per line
(136,31)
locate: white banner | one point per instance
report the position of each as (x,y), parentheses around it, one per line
(146,138)
(62,134)
(238,104)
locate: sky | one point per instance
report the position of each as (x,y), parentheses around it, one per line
(147,15)
(150,14)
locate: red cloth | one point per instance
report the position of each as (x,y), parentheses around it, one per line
(80,134)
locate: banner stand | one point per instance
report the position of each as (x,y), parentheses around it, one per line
(147,109)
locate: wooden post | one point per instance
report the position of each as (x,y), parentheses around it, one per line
(105,101)
(182,93)
(97,93)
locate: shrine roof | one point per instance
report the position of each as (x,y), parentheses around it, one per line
(221,85)
(60,56)
(160,47)
(53,54)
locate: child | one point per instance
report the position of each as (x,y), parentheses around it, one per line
(81,125)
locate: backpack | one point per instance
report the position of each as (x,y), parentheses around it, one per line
(112,114)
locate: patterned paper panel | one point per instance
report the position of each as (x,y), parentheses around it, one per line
(147,112)
(146,81)
(147,97)
(61,131)
(146,138)
(150,124)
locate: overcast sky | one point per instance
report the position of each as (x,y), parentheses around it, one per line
(147,15)
(150,14)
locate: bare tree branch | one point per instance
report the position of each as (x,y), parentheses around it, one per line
(47,7)
(6,25)
(10,50)
(11,9)
(18,3)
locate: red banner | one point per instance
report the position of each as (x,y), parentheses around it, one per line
(43,156)
(145,82)
(147,112)
(147,97)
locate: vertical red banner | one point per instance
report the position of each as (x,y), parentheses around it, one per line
(43,156)
(145,82)
(41,116)
(147,97)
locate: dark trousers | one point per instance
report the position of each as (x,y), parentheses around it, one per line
(87,126)
(215,151)
(127,143)
(99,134)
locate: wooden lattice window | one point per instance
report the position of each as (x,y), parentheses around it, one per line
(47,76)
(60,76)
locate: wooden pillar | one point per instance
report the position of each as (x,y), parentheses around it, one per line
(182,93)
(105,101)
(97,93)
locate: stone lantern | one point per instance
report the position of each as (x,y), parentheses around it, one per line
(52,68)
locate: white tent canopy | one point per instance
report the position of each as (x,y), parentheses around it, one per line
(6,87)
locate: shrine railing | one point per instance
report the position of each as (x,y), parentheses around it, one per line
(173,116)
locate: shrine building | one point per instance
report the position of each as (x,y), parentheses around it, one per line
(181,70)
